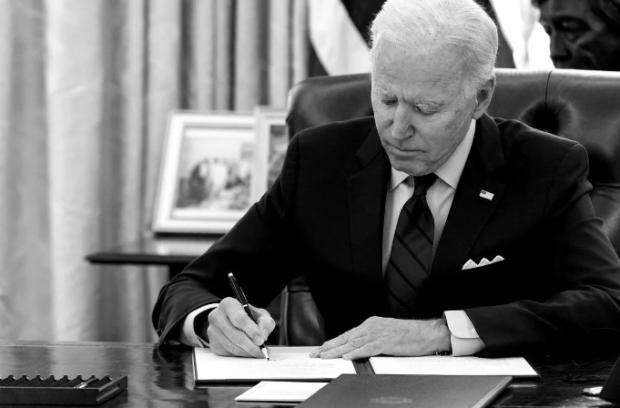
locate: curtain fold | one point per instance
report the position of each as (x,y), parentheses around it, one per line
(250,46)
(24,219)
(85,90)
(222,57)
(278,52)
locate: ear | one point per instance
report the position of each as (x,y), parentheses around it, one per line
(483,98)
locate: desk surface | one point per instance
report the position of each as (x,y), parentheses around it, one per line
(164,378)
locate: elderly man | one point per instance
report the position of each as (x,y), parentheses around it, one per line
(585,34)
(427,228)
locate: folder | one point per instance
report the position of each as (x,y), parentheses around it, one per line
(446,391)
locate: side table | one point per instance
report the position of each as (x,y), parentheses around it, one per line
(173,252)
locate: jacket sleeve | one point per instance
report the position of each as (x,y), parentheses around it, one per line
(259,250)
(585,308)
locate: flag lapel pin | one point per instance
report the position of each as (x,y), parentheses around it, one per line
(487,195)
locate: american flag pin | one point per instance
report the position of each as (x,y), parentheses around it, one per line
(487,195)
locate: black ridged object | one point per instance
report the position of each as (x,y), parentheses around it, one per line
(59,391)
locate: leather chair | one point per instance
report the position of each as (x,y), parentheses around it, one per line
(579,105)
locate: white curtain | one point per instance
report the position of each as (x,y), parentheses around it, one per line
(85,87)
(518,20)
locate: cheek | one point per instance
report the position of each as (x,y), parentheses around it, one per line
(594,43)
(382,116)
(451,132)
(382,126)
(455,123)
(585,55)
(604,48)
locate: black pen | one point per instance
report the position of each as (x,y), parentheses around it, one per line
(246,306)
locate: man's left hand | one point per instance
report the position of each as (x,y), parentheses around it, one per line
(395,337)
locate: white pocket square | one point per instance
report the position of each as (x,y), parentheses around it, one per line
(470,264)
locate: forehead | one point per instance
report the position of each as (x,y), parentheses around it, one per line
(565,6)
(437,68)
(578,9)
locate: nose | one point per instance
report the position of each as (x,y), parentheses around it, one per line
(402,125)
(558,48)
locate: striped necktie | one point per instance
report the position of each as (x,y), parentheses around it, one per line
(412,250)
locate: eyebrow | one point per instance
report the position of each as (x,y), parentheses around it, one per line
(384,92)
(563,17)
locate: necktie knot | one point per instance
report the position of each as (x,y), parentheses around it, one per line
(423,183)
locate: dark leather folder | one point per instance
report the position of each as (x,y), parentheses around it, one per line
(420,391)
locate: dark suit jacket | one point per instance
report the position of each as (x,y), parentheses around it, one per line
(559,282)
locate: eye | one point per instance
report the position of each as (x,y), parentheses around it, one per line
(571,28)
(426,110)
(389,101)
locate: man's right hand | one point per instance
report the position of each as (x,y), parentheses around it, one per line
(232,332)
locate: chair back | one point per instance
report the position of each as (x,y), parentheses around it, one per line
(576,104)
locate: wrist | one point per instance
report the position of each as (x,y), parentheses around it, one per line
(201,323)
(443,346)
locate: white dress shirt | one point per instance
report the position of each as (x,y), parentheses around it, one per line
(464,339)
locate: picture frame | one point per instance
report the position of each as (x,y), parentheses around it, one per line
(272,143)
(208,172)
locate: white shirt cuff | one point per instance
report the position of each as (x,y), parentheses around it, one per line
(188,335)
(463,335)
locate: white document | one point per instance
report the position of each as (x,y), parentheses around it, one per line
(448,365)
(286,363)
(281,391)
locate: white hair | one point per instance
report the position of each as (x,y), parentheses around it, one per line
(425,25)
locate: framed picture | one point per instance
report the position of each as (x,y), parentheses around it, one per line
(272,142)
(207,178)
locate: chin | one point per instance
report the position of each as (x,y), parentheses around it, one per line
(562,65)
(408,163)
(408,168)
(575,65)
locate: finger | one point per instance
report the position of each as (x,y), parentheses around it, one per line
(367,350)
(349,346)
(336,352)
(265,322)
(241,340)
(239,318)
(221,345)
(333,343)
(230,335)
(342,339)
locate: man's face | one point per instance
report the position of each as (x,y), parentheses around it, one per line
(579,38)
(421,110)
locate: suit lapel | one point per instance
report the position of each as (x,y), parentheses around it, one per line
(367,184)
(470,211)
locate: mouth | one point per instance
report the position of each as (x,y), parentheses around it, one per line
(563,62)
(402,150)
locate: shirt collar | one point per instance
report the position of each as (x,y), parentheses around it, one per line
(449,172)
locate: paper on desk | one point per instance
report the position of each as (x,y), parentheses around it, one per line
(286,363)
(449,365)
(281,391)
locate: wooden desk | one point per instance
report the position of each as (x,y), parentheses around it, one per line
(164,378)
(173,252)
